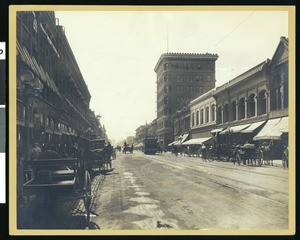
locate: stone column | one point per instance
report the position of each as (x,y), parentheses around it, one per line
(236,111)
(256,105)
(268,102)
(246,108)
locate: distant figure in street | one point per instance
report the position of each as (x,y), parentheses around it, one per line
(175,150)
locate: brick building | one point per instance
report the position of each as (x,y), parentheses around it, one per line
(180,78)
(61,112)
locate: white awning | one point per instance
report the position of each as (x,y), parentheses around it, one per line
(196,141)
(172,143)
(184,137)
(235,129)
(273,129)
(217,130)
(252,127)
(283,125)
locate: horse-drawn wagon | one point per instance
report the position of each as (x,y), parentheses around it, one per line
(248,154)
(98,156)
(51,178)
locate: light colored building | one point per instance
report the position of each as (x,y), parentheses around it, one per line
(203,115)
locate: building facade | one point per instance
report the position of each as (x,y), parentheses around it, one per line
(253,100)
(59,113)
(203,115)
(180,78)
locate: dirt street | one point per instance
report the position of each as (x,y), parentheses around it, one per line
(162,191)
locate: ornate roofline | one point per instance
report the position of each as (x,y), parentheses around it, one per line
(243,76)
(185,56)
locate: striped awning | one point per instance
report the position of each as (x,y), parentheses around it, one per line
(235,129)
(196,141)
(273,129)
(253,127)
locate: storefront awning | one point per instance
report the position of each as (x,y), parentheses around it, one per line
(172,143)
(197,141)
(184,137)
(217,130)
(235,129)
(252,127)
(273,129)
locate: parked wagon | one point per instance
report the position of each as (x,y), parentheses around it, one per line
(59,177)
(248,154)
(99,155)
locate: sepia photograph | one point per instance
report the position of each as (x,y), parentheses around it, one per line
(152,120)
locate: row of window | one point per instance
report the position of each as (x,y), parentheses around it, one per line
(186,79)
(203,116)
(188,66)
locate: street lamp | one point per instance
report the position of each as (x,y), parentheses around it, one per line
(31,87)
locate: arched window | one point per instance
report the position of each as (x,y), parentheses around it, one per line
(262,103)
(193,119)
(197,118)
(276,93)
(226,113)
(201,116)
(251,106)
(213,109)
(219,115)
(233,111)
(207,114)
(241,108)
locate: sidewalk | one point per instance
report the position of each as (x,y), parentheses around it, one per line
(276,162)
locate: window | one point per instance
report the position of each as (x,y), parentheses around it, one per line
(213,109)
(207,114)
(208,78)
(193,119)
(241,108)
(233,111)
(167,89)
(201,116)
(262,103)
(219,115)
(251,106)
(276,92)
(197,118)
(226,113)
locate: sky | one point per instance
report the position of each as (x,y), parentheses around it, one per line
(117,51)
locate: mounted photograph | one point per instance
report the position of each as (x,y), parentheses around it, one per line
(151,120)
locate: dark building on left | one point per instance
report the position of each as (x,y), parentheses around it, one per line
(52,96)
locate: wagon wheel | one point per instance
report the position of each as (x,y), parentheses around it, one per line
(87,195)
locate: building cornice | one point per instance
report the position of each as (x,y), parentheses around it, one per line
(185,56)
(258,68)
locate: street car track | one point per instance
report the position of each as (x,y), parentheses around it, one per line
(197,176)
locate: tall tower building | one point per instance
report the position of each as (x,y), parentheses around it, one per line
(181,77)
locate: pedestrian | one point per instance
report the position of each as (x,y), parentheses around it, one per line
(175,150)
(35,151)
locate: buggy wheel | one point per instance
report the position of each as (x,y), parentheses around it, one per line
(87,195)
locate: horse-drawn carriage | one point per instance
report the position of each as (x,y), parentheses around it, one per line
(99,155)
(248,154)
(128,148)
(51,178)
